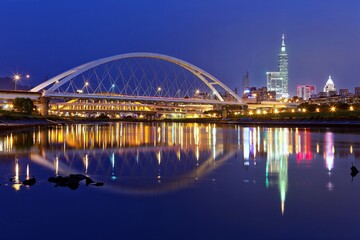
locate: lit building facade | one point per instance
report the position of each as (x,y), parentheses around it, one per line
(329,86)
(305,91)
(279,81)
(275,83)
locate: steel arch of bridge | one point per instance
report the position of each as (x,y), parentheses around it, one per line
(59,80)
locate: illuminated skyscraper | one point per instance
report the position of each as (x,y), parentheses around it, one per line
(283,68)
(278,81)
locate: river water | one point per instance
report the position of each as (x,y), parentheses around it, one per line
(180,181)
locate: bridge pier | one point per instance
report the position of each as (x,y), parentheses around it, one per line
(224,112)
(44,101)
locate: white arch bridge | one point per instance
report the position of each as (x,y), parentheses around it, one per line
(136,83)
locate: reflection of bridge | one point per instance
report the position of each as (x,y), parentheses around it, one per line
(128,157)
(142,83)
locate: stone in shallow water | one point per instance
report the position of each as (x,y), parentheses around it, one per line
(29,182)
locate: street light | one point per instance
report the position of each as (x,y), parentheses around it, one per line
(16,78)
(158,90)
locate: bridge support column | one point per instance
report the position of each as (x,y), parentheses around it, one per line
(224,112)
(44,101)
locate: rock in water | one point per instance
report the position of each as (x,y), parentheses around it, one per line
(29,182)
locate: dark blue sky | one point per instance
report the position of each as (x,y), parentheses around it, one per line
(225,38)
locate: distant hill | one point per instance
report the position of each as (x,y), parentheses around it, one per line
(7,83)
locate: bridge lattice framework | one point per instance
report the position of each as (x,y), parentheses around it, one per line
(136,82)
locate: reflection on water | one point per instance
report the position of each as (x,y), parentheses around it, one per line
(329,151)
(150,158)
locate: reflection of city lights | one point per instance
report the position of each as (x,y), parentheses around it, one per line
(351,149)
(277,162)
(213,143)
(16,185)
(330,186)
(27,171)
(86,163)
(158,156)
(329,151)
(317,148)
(57,166)
(246,143)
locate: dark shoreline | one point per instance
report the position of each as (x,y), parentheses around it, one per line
(6,124)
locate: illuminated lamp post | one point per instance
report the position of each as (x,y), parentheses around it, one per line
(158,91)
(16,78)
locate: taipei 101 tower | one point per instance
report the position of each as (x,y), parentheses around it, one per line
(283,68)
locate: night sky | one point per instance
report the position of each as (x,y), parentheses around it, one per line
(225,38)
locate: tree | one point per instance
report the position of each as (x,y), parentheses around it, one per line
(24,105)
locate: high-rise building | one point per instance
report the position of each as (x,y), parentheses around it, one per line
(279,81)
(245,82)
(275,83)
(344,92)
(305,91)
(283,68)
(357,91)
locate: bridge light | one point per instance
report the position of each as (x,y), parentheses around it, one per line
(197,91)
(113,85)
(159,89)
(86,83)
(27,76)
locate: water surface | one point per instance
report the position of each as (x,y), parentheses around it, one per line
(181,181)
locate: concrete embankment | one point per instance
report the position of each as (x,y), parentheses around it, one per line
(296,123)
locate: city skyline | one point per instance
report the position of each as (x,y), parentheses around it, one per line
(226,39)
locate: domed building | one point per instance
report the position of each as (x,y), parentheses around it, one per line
(329,86)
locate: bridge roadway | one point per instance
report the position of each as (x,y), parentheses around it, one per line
(12,94)
(145,99)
